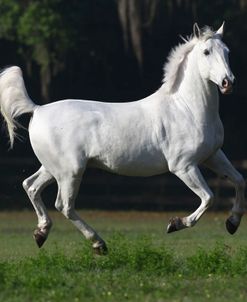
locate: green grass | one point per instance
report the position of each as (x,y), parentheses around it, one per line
(144,264)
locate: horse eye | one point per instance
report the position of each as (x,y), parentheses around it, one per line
(206,52)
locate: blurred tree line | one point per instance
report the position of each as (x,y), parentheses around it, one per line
(114,50)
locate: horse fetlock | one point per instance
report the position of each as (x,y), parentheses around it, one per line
(100,248)
(238,212)
(45,226)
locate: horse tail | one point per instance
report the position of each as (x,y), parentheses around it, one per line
(14,100)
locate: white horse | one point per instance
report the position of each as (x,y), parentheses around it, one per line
(175,129)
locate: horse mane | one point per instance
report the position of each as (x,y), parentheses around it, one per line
(177,57)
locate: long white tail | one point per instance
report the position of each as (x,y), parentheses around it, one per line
(14,100)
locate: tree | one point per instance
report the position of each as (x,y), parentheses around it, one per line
(44,34)
(134,15)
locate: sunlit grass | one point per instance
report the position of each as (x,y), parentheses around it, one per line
(144,263)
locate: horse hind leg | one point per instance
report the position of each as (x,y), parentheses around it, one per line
(33,187)
(68,187)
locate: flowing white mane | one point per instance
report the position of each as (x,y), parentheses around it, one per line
(174,66)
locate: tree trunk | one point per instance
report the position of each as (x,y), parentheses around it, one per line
(45,77)
(42,57)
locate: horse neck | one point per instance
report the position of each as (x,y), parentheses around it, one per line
(201,96)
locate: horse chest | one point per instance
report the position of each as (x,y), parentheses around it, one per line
(211,137)
(192,143)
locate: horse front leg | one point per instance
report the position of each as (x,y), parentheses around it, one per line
(193,178)
(222,166)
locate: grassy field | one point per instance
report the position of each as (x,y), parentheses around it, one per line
(204,263)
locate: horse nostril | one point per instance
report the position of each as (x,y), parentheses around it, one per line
(225,83)
(226,86)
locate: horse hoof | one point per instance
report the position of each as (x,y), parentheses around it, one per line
(40,237)
(100,248)
(175,224)
(231,228)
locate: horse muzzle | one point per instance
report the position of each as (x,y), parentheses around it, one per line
(226,86)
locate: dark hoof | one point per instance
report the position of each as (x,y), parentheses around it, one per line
(39,237)
(231,228)
(100,249)
(175,224)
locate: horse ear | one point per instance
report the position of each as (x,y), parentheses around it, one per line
(220,31)
(196,30)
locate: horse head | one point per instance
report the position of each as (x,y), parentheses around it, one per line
(212,56)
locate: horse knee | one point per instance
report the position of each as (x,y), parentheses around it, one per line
(25,185)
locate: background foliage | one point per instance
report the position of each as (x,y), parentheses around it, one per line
(113,50)
(109,50)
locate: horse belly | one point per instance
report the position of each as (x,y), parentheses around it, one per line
(145,164)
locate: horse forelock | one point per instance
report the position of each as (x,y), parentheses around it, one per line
(206,33)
